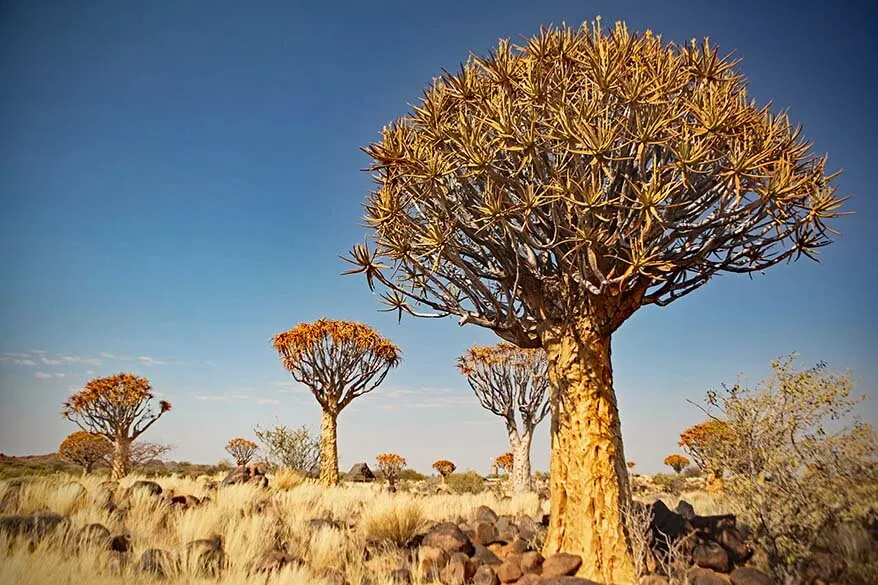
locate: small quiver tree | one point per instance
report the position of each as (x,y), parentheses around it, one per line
(506,461)
(338,361)
(118,407)
(444,467)
(705,442)
(241,449)
(549,190)
(676,462)
(631,464)
(391,465)
(508,380)
(85,449)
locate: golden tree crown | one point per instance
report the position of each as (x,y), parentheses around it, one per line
(305,338)
(500,354)
(240,443)
(505,461)
(390,460)
(84,443)
(675,460)
(125,390)
(444,466)
(585,167)
(704,433)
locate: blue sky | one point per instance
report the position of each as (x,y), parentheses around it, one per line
(179,178)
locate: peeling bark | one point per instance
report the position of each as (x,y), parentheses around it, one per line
(589,480)
(121,458)
(521,461)
(328,449)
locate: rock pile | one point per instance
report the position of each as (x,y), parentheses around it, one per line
(247,474)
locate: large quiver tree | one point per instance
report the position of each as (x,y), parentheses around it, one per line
(118,407)
(548,191)
(508,379)
(338,361)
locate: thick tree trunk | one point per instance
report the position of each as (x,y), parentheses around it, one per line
(121,458)
(328,449)
(589,480)
(521,462)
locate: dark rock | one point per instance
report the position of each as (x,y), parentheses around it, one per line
(485,575)
(527,528)
(105,494)
(484,556)
(568,581)
(506,523)
(484,533)
(733,541)
(450,538)
(121,543)
(711,555)
(36,526)
(560,564)
(709,527)
(247,474)
(510,570)
(273,560)
(486,514)
(459,570)
(544,521)
(653,580)
(206,556)
(158,562)
(96,535)
(532,563)
(702,576)
(144,486)
(529,579)
(12,496)
(685,509)
(667,523)
(360,472)
(749,576)
(517,546)
(431,560)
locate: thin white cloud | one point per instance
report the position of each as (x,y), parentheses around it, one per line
(90,372)
(267,401)
(108,356)
(75,359)
(24,362)
(50,362)
(19,359)
(209,363)
(47,375)
(150,361)
(239,394)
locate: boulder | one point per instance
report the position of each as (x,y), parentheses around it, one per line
(702,576)
(120,543)
(206,556)
(485,575)
(749,576)
(734,543)
(159,563)
(653,580)
(568,581)
(482,555)
(36,526)
(510,570)
(247,474)
(94,535)
(431,560)
(360,472)
(667,523)
(532,563)
(561,564)
(486,514)
(459,570)
(529,579)
(685,509)
(143,486)
(450,538)
(484,533)
(710,555)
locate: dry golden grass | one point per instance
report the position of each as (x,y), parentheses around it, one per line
(250,520)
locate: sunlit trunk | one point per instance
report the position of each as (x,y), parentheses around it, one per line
(328,449)
(521,462)
(589,480)
(121,458)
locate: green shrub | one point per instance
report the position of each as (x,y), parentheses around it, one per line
(668,483)
(468,482)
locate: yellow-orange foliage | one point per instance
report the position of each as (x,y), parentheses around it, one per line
(85,448)
(337,360)
(504,461)
(676,462)
(631,464)
(700,440)
(241,449)
(444,467)
(116,406)
(390,465)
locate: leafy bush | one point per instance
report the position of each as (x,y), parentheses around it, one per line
(800,463)
(692,471)
(668,483)
(411,475)
(468,482)
(297,449)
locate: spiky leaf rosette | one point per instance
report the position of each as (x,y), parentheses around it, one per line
(505,461)
(444,467)
(241,449)
(506,379)
(337,360)
(85,448)
(118,406)
(582,175)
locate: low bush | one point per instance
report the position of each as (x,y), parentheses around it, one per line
(468,482)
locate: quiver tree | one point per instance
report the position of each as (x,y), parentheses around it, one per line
(85,449)
(118,407)
(390,465)
(508,379)
(338,361)
(547,191)
(241,449)
(505,461)
(444,467)
(676,462)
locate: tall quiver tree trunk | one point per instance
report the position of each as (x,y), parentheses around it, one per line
(521,461)
(328,449)
(121,458)
(589,479)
